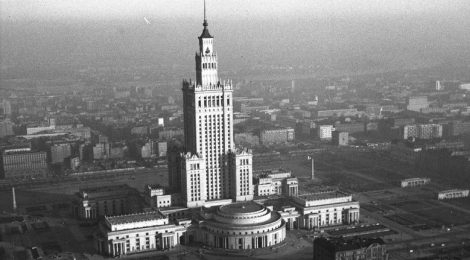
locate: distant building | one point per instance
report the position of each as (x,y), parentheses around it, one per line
(246,139)
(338,112)
(162,148)
(140,130)
(24,163)
(452,194)
(340,138)
(438,85)
(6,105)
(414,182)
(101,151)
(161,122)
(37,129)
(169,133)
(351,128)
(465,86)
(398,122)
(417,103)
(349,249)
(459,127)
(92,203)
(422,131)
(325,132)
(148,150)
(277,136)
(247,109)
(6,128)
(59,152)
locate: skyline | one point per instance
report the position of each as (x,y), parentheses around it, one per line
(232,9)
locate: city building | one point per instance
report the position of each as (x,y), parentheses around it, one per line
(156,197)
(209,167)
(277,136)
(6,105)
(340,138)
(137,233)
(338,112)
(417,103)
(325,132)
(349,249)
(91,203)
(24,163)
(326,209)
(422,131)
(414,182)
(162,148)
(6,128)
(452,194)
(148,150)
(169,133)
(243,225)
(59,152)
(460,127)
(351,128)
(278,181)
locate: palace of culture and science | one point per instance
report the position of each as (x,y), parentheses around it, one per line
(210,167)
(211,195)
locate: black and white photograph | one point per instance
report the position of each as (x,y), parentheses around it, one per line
(235,129)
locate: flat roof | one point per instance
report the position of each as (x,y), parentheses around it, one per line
(243,207)
(138,217)
(324,195)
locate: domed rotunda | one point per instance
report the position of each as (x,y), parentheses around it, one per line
(244,225)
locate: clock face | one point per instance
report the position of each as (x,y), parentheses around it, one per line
(207,50)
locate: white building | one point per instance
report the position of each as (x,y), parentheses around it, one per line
(422,131)
(326,209)
(134,233)
(417,103)
(210,167)
(275,182)
(413,182)
(325,132)
(452,194)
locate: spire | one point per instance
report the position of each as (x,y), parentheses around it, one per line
(205,32)
(205,19)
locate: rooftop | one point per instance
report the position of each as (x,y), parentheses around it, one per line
(323,195)
(138,217)
(241,208)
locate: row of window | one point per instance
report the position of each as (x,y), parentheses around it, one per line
(213,101)
(211,65)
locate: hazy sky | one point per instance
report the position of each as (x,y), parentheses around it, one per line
(97,9)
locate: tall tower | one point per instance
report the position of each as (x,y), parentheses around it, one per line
(208,130)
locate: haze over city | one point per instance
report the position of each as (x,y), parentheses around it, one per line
(338,36)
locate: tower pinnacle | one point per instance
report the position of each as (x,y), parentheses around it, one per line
(205,31)
(205,19)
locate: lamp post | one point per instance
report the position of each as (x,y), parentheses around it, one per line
(313,165)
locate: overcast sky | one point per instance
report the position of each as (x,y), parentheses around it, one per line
(234,9)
